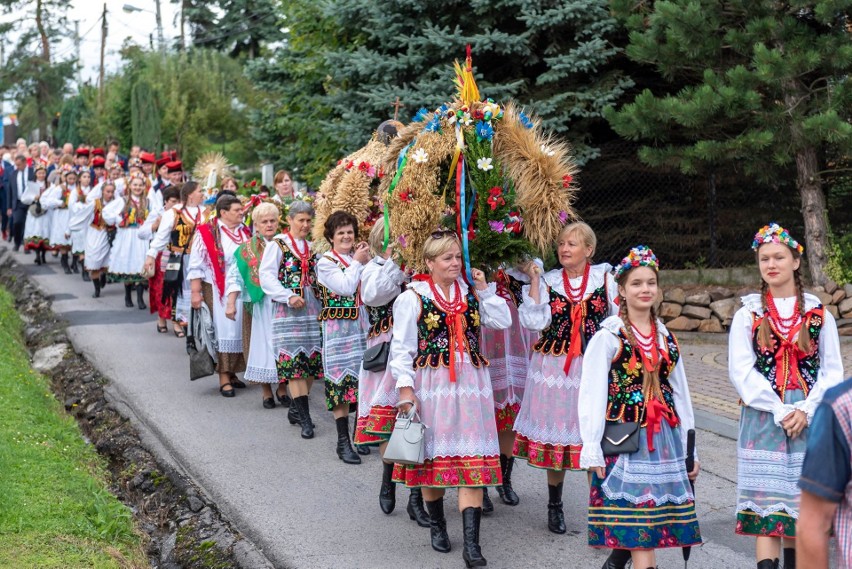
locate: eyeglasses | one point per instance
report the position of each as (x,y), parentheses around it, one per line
(441,233)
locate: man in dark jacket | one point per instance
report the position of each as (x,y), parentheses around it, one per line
(16,185)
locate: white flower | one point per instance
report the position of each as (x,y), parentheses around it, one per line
(547,151)
(484,164)
(466,119)
(420,156)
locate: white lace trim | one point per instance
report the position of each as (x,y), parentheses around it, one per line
(461,446)
(559,381)
(548,434)
(230,346)
(663,472)
(763,512)
(385,399)
(261,374)
(650,497)
(508,370)
(454,390)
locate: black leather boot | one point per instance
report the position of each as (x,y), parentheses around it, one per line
(85,274)
(506,492)
(617,559)
(97,288)
(487,504)
(438,526)
(471,552)
(555,516)
(304,416)
(789,558)
(387,493)
(103,280)
(767,564)
(360,449)
(75,268)
(293,413)
(140,296)
(38,256)
(63,260)
(344,445)
(43,254)
(415,508)
(128,302)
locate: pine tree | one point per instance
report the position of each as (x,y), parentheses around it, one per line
(346,62)
(69,129)
(145,116)
(762,86)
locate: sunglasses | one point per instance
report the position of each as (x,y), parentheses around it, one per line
(440,234)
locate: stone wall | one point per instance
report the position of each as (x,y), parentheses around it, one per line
(711,309)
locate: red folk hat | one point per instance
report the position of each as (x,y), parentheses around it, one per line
(97,152)
(162,162)
(147,158)
(98,162)
(175,166)
(82,151)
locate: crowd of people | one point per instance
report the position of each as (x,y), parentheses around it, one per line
(567,369)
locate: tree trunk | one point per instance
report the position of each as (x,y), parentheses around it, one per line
(42,88)
(813,211)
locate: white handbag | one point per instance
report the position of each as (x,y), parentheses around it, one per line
(406,441)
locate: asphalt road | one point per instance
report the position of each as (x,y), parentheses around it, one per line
(295,500)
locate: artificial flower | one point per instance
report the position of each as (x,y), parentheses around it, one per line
(566,180)
(466,119)
(563,216)
(363,166)
(420,156)
(421,115)
(497,226)
(484,164)
(495,197)
(484,131)
(478,114)
(405,195)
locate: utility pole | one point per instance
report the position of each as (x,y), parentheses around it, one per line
(182,37)
(103,50)
(160,39)
(77,50)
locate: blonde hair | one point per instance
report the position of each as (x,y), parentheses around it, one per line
(376,238)
(435,247)
(584,231)
(263,210)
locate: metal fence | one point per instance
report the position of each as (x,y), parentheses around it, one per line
(689,222)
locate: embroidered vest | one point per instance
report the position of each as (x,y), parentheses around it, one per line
(66,195)
(381,319)
(336,307)
(98,218)
(290,270)
(433,337)
(556,339)
(181,233)
(133,217)
(808,366)
(509,288)
(625,402)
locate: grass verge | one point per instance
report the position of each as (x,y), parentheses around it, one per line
(55,509)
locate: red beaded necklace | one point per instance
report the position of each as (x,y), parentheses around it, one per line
(784,325)
(647,345)
(575,295)
(341,259)
(454,308)
(239,237)
(451,306)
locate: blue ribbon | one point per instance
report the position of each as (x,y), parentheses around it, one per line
(466,213)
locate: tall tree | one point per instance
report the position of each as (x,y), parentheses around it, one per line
(346,61)
(32,74)
(240,28)
(762,86)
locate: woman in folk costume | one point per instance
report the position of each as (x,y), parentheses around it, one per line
(158,305)
(98,233)
(37,228)
(78,236)
(58,200)
(633,372)
(567,305)
(344,323)
(175,237)
(213,249)
(288,279)
(783,354)
(437,363)
(508,353)
(382,280)
(243,283)
(127,258)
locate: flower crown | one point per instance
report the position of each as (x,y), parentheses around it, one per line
(774,233)
(639,256)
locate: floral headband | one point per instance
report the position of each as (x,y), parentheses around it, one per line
(774,233)
(639,256)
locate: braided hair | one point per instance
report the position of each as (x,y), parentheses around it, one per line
(764,331)
(650,377)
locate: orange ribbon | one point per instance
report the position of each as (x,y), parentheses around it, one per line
(455,327)
(655,412)
(575,346)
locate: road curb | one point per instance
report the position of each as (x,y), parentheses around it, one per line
(719,425)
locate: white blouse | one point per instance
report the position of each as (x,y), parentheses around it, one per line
(334,278)
(752,386)
(163,236)
(493,312)
(200,265)
(52,197)
(537,317)
(270,263)
(594,389)
(381,281)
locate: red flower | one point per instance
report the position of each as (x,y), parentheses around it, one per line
(478,114)
(381,173)
(349,165)
(253,183)
(566,180)
(405,196)
(495,197)
(363,166)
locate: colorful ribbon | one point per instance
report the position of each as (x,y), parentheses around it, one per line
(455,326)
(400,166)
(575,345)
(787,372)
(655,412)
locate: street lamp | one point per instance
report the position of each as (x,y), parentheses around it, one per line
(129,8)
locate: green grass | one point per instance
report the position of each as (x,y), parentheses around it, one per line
(55,510)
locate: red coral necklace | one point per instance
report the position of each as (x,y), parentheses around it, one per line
(575,295)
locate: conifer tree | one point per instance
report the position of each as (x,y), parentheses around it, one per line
(761,86)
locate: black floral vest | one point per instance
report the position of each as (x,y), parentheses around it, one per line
(556,339)
(433,336)
(336,307)
(625,402)
(133,217)
(182,231)
(290,270)
(381,317)
(808,366)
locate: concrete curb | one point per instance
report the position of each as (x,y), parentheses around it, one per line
(722,426)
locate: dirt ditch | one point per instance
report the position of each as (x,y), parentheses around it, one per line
(183,528)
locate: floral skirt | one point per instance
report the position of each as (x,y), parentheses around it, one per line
(769,464)
(645,501)
(36,243)
(297,340)
(376,427)
(344,392)
(159,306)
(546,455)
(505,417)
(451,472)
